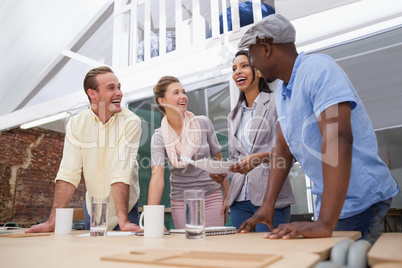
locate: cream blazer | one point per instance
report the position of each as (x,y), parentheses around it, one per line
(263,135)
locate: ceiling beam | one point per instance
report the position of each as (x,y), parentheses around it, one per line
(59,60)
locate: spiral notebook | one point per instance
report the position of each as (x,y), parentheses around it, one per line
(218,230)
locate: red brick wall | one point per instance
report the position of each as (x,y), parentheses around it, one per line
(29,161)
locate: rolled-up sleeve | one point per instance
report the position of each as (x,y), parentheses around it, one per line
(71,164)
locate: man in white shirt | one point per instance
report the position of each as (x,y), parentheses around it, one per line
(102,144)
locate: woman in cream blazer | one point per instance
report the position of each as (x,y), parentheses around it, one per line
(252,134)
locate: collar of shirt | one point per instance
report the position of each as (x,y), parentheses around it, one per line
(97,120)
(287,88)
(253,108)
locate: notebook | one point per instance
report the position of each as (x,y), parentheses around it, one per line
(218,230)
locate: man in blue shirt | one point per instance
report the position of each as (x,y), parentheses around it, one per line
(324,126)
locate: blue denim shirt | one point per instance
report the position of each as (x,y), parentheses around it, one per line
(317,83)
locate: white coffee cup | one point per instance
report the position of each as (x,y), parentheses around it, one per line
(64,221)
(154,217)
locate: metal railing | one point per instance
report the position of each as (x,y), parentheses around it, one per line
(145,29)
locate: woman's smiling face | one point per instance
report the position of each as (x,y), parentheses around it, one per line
(175,98)
(243,73)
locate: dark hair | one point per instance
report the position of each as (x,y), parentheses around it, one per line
(161,87)
(90,79)
(262,85)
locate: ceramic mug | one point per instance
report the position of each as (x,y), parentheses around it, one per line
(64,221)
(154,218)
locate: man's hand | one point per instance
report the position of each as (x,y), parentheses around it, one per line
(62,195)
(306,229)
(262,215)
(218,177)
(128,226)
(45,227)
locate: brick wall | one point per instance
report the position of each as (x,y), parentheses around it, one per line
(29,161)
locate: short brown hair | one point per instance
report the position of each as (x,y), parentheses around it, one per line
(161,87)
(90,79)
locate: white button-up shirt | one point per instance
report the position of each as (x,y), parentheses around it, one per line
(243,134)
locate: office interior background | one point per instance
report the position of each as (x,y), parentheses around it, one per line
(47,47)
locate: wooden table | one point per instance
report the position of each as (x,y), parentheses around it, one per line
(386,251)
(76,251)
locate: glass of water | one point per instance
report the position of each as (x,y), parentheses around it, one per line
(194,205)
(99,215)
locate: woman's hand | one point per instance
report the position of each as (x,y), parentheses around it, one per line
(225,210)
(250,162)
(217,177)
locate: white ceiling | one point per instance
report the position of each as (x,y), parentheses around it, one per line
(36,33)
(33,35)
